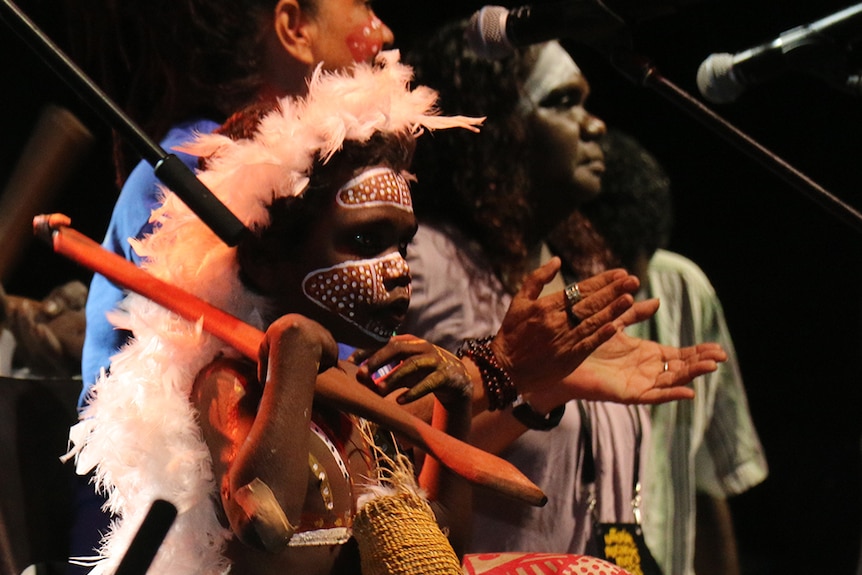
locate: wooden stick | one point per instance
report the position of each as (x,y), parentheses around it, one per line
(473,464)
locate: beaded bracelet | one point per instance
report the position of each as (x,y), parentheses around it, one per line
(498,385)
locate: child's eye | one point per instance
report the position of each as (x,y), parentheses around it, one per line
(367,244)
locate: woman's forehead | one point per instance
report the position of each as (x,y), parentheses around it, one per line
(553,66)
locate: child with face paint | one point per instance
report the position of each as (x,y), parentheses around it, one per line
(353,289)
(264,480)
(179,68)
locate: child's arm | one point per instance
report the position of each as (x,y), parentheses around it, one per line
(259,437)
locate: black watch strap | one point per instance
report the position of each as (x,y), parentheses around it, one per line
(524,412)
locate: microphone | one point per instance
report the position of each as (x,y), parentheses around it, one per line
(814,48)
(494,31)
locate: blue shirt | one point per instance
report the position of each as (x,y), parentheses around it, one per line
(130,219)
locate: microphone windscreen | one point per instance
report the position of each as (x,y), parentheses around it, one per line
(486,33)
(716,80)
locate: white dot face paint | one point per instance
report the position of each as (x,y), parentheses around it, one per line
(354,289)
(376,186)
(366,41)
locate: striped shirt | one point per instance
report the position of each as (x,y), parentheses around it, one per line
(706,445)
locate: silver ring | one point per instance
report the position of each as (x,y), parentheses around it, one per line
(573,295)
(665,367)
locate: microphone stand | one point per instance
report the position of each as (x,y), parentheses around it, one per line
(641,71)
(167,167)
(149,537)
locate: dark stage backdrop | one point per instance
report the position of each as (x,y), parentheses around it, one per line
(787,271)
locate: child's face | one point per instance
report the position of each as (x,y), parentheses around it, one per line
(353,275)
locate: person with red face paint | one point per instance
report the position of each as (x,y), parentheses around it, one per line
(201,63)
(179,68)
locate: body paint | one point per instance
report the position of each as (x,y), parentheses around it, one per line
(376,186)
(366,42)
(352,289)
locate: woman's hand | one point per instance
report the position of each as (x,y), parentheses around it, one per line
(542,339)
(630,370)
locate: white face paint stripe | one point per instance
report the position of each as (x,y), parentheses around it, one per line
(552,64)
(376,186)
(351,289)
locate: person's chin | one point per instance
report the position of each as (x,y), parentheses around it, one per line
(361,338)
(589,184)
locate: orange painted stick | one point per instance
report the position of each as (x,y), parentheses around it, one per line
(473,464)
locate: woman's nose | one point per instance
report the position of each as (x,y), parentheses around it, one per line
(593,126)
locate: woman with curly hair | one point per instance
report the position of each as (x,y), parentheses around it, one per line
(486,203)
(511,184)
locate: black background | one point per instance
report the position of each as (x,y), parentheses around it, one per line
(787,271)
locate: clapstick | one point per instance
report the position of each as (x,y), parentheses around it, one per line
(333,386)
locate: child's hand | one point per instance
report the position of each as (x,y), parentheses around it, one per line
(420,367)
(292,339)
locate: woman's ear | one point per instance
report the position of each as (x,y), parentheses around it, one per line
(295,31)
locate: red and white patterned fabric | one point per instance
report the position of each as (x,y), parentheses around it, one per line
(537,564)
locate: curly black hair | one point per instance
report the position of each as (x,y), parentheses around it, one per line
(633,215)
(478,182)
(634,211)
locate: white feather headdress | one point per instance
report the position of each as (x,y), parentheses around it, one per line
(139,431)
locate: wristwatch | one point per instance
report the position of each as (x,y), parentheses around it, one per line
(528,416)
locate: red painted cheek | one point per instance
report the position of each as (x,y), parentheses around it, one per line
(366,41)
